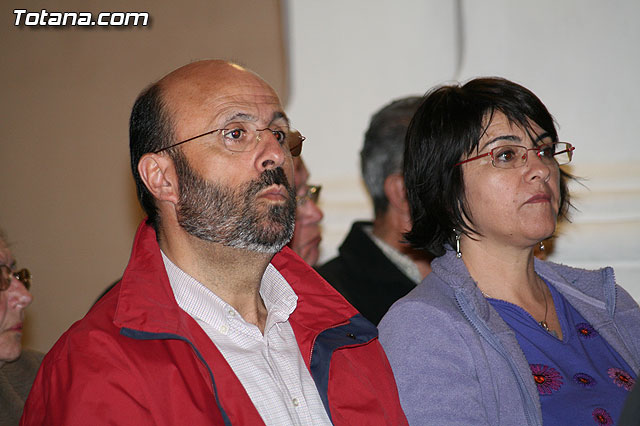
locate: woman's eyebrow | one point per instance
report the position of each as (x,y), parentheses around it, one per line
(510,138)
(541,137)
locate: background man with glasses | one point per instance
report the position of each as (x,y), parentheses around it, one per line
(307,233)
(17,367)
(215,321)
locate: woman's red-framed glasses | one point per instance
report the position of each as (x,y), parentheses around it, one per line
(514,156)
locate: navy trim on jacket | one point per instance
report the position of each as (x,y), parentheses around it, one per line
(358,331)
(145,335)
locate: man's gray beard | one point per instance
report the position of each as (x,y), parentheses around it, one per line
(221,215)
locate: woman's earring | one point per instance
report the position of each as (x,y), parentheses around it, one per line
(541,245)
(458,252)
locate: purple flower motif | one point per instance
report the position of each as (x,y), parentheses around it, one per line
(584,380)
(601,416)
(585,330)
(547,378)
(621,378)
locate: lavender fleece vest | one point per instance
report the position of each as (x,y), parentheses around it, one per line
(456,362)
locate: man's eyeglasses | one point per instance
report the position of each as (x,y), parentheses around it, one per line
(7,274)
(312,194)
(514,156)
(242,137)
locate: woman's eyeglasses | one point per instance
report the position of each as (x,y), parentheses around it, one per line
(514,156)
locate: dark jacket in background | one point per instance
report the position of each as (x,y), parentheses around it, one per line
(365,276)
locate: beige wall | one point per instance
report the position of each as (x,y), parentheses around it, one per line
(68,201)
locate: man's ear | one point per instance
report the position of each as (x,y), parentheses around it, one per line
(159,176)
(396,192)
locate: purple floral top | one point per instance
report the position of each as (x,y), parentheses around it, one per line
(581,379)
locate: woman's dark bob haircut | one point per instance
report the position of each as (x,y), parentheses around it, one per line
(447,128)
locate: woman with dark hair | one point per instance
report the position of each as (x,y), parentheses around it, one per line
(494,335)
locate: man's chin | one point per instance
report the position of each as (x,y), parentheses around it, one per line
(258,247)
(271,237)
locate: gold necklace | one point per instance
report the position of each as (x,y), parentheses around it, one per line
(542,323)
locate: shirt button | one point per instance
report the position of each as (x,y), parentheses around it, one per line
(224,329)
(295,402)
(231,313)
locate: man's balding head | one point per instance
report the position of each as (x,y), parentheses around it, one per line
(163,113)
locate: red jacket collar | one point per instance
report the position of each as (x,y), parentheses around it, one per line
(146,301)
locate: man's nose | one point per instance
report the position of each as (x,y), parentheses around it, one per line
(271,152)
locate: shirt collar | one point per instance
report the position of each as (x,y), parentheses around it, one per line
(402,261)
(201,303)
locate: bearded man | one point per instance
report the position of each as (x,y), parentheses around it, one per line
(215,321)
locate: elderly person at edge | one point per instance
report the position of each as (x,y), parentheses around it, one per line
(18,368)
(493,335)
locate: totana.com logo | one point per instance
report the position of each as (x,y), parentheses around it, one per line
(60,19)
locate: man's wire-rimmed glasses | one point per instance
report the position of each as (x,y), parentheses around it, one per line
(514,156)
(312,194)
(242,137)
(7,274)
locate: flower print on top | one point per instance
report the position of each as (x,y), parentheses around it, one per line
(601,417)
(584,380)
(586,331)
(547,378)
(621,378)
(572,374)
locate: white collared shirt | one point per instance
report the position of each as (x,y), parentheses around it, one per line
(269,366)
(402,261)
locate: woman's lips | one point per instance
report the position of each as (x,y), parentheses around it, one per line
(539,198)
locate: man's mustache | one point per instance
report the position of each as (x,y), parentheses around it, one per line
(270,177)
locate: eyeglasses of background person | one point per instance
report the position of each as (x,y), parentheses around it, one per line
(312,194)
(7,274)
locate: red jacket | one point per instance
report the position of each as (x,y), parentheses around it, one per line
(136,358)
